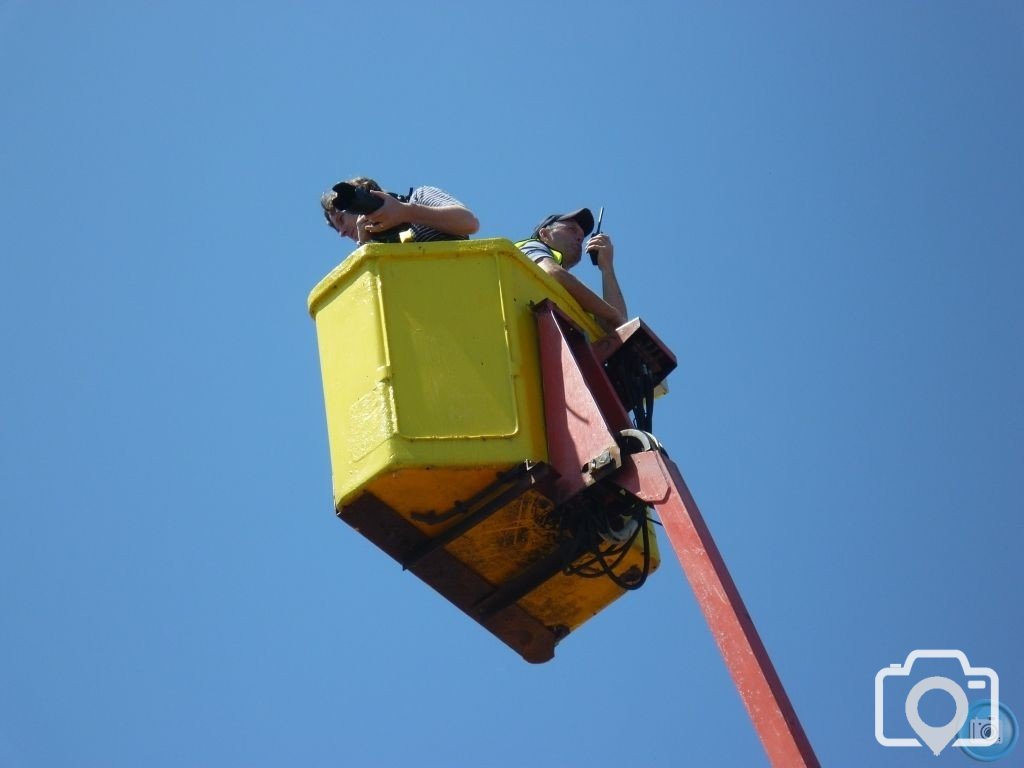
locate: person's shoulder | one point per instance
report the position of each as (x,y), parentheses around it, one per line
(427,195)
(426,191)
(535,249)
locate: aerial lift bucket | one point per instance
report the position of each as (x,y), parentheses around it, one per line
(480,434)
(439,450)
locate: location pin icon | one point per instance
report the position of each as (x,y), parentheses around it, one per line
(936,738)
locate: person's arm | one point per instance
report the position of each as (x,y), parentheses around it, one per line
(452,218)
(609,282)
(608,316)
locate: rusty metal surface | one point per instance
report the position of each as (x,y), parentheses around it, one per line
(456,582)
(507,488)
(581,410)
(640,344)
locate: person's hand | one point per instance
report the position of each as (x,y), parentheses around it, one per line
(389,215)
(605,250)
(363,233)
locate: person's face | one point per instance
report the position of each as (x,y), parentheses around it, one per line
(344,224)
(567,237)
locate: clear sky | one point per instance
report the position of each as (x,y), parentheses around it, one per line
(818,206)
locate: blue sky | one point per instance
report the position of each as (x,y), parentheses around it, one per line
(819,207)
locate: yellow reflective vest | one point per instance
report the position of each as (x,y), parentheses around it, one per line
(540,245)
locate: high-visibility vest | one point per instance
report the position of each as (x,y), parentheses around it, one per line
(556,255)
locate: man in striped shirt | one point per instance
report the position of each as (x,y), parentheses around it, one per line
(428,214)
(557,246)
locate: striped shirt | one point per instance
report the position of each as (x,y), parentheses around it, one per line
(537,250)
(432,197)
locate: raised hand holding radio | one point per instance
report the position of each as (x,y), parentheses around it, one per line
(591,246)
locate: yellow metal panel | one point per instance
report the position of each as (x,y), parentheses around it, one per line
(445,323)
(429,357)
(357,398)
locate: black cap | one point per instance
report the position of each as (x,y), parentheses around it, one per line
(583,217)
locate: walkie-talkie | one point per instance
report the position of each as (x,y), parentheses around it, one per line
(593,251)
